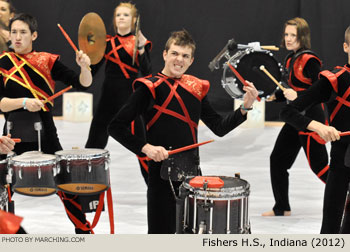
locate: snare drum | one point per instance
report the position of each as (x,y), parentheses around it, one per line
(247,63)
(83,171)
(33,174)
(215,210)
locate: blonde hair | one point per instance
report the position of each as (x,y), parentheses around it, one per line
(303,32)
(133,11)
(347,35)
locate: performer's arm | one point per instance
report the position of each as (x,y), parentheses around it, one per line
(84,62)
(144,55)
(222,124)
(62,73)
(10,104)
(311,70)
(319,92)
(119,128)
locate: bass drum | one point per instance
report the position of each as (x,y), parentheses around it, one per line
(247,63)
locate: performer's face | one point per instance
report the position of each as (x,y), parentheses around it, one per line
(177,60)
(21,37)
(123,18)
(5,13)
(291,38)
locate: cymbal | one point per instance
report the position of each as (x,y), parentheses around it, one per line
(92,37)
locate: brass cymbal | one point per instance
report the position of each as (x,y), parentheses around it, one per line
(92,37)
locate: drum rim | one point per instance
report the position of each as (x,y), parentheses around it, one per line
(219,193)
(82,156)
(51,159)
(232,88)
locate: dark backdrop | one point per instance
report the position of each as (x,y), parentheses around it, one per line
(212,24)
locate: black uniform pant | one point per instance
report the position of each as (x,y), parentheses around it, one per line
(108,106)
(285,151)
(335,192)
(161,204)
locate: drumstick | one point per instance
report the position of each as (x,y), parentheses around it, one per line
(185,148)
(67,38)
(136,39)
(262,68)
(70,41)
(16,140)
(58,94)
(240,78)
(345,133)
(270,47)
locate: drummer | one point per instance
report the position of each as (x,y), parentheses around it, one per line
(172,104)
(24,97)
(303,67)
(120,72)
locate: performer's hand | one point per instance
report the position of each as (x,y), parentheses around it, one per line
(156,153)
(250,94)
(33,104)
(290,94)
(142,39)
(6,144)
(82,59)
(327,133)
(271,98)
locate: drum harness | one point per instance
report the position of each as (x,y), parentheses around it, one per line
(127,44)
(289,62)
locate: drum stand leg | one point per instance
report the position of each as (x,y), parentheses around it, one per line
(180,212)
(38,127)
(345,225)
(8,127)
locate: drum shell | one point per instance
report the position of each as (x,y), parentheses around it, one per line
(222,210)
(83,174)
(34,177)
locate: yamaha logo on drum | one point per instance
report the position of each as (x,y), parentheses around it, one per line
(84,188)
(37,189)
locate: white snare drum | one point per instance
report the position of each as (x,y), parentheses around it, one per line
(33,174)
(221,210)
(83,171)
(247,63)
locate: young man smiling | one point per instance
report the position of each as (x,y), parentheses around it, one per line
(172,103)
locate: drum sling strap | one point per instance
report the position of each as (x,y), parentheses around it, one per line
(87,226)
(116,59)
(24,80)
(318,139)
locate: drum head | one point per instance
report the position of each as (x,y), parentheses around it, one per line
(32,158)
(233,188)
(248,63)
(82,153)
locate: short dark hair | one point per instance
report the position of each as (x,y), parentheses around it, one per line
(303,32)
(26,18)
(181,38)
